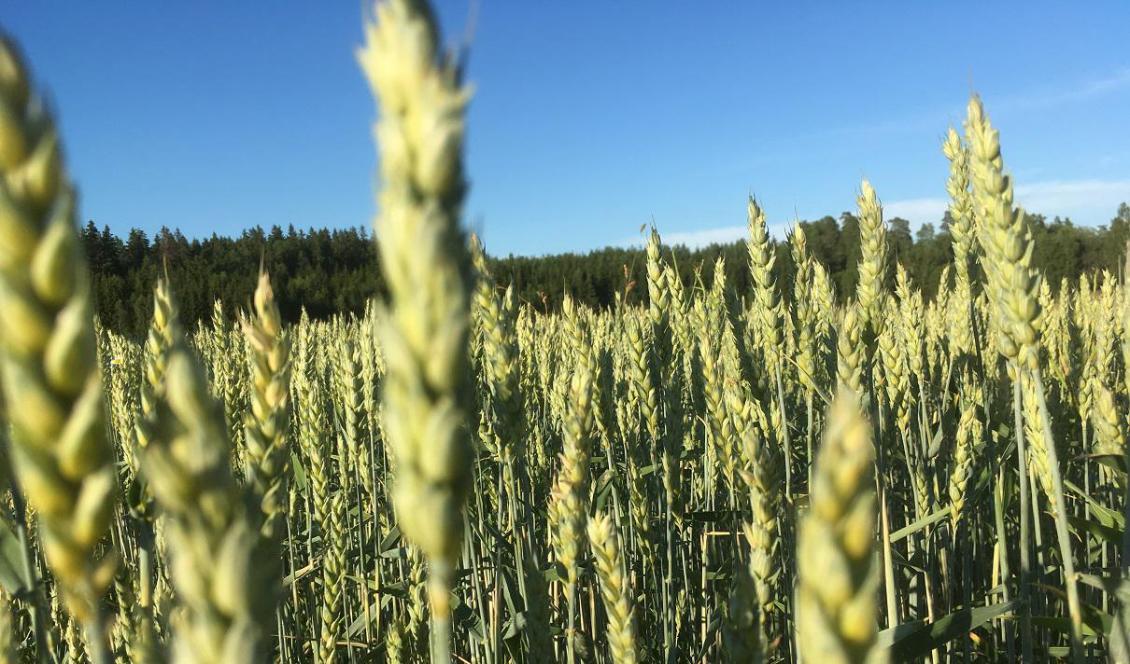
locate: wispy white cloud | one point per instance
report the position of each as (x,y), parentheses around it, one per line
(703,237)
(1094,87)
(1085,201)
(694,238)
(1090,202)
(917,210)
(1028,100)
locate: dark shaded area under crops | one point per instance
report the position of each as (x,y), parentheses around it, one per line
(328,272)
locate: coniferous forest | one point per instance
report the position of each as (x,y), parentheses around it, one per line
(332,271)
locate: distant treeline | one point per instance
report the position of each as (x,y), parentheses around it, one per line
(331,271)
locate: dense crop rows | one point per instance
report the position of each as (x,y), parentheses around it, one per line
(721,476)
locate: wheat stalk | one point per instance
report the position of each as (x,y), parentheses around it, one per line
(425,262)
(614,589)
(52,383)
(225,591)
(838,575)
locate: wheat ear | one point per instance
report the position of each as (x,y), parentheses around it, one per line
(838,574)
(52,384)
(426,265)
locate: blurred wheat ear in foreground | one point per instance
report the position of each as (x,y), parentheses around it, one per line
(52,386)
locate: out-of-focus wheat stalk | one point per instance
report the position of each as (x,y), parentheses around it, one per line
(425,262)
(838,574)
(225,590)
(52,384)
(267,456)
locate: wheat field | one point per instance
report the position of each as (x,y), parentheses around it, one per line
(455,476)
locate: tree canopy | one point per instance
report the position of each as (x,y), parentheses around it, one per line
(332,271)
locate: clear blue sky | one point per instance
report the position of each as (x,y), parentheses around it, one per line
(589,119)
